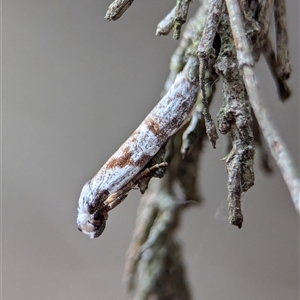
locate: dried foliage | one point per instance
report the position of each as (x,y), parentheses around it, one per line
(226,37)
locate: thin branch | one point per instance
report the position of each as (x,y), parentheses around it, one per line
(234,117)
(264,18)
(262,153)
(182,8)
(206,52)
(166,24)
(284,65)
(191,134)
(283,89)
(271,135)
(117,9)
(191,34)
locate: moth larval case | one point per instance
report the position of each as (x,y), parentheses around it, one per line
(163,121)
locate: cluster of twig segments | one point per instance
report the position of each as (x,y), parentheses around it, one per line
(226,37)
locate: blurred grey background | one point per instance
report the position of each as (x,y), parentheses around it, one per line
(74,88)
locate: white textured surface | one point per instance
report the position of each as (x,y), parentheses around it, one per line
(169,114)
(162,122)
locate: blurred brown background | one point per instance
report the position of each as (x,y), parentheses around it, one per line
(74,88)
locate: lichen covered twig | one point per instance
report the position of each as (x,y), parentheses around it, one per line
(283,61)
(190,35)
(117,9)
(283,89)
(271,135)
(182,8)
(248,22)
(166,24)
(155,256)
(234,117)
(224,39)
(205,53)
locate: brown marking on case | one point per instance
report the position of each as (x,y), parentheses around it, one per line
(153,126)
(134,135)
(122,161)
(156,129)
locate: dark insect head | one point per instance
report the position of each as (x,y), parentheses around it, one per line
(99,222)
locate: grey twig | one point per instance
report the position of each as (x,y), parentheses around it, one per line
(147,213)
(191,134)
(206,52)
(155,252)
(190,35)
(234,117)
(283,61)
(166,24)
(249,10)
(224,39)
(264,18)
(283,89)
(271,135)
(182,8)
(260,149)
(117,9)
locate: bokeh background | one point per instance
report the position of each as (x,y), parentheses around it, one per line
(74,88)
